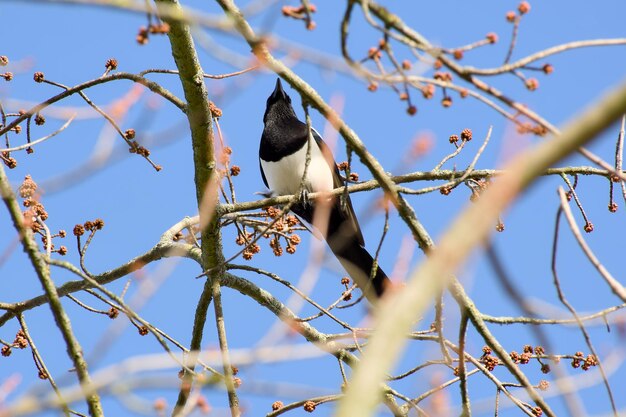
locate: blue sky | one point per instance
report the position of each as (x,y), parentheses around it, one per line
(70,44)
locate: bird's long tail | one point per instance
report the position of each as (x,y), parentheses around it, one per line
(359,264)
(345,240)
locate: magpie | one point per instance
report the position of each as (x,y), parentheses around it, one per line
(282,156)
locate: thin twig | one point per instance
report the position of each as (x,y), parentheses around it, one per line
(465,400)
(533,320)
(233,400)
(544,54)
(35,142)
(85,306)
(288,284)
(616,287)
(509,53)
(210,76)
(574,194)
(564,208)
(466,174)
(439,327)
(457,151)
(41,365)
(619,154)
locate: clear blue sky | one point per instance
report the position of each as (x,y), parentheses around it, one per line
(71,43)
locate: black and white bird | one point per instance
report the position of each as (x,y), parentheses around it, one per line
(282,156)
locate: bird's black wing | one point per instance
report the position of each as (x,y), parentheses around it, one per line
(346,210)
(263,174)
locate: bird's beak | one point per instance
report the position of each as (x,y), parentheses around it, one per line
(278,91)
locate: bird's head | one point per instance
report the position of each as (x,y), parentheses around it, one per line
(278,106)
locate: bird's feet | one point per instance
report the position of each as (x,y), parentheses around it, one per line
(304,197)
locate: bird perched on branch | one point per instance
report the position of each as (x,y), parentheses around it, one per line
(283,155)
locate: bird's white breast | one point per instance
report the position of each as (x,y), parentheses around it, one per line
(284,176)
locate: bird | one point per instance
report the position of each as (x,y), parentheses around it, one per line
(283,154)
